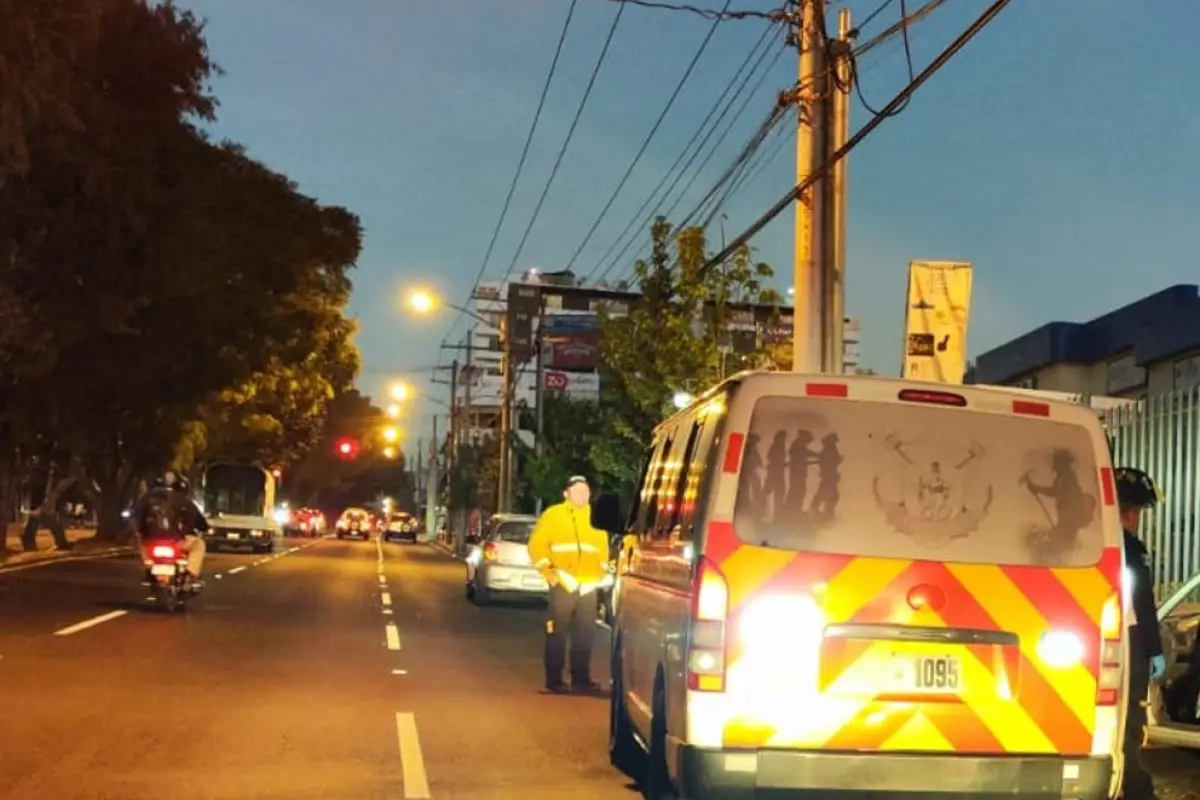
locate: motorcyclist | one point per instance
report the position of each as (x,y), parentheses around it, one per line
(167,512)
(1136,491)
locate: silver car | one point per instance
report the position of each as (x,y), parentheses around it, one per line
(498,563)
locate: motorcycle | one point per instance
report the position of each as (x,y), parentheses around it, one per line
(167,575)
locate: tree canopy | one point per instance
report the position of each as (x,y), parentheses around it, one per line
(164,298)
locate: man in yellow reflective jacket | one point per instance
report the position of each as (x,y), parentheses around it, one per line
(573,557)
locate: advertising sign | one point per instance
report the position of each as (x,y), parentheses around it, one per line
(576,385)
(935,321)
(572,341)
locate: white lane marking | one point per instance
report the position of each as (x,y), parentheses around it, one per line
(393,636)
(218,576)
(412,763)
(399,672)
(236,570)
(386,610)
(90,623)
(386,598)
(382,581)
(294,550)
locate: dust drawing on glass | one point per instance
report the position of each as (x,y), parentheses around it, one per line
(931,490)
(1051,478)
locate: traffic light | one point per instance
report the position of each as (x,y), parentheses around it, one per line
(347,448)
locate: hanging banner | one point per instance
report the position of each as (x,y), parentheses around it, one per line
(935,321)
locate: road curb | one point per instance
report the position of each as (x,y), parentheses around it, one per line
(96,555)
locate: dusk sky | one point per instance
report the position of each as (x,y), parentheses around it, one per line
(1058,152)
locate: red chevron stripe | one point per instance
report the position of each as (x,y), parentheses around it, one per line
(1059,608)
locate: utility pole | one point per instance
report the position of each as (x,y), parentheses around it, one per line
(505,443)
(431,486)
(540,388)
(823,124)
(839,132)
(452,443)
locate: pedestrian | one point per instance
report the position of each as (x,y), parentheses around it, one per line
(573,557)
(1136,491)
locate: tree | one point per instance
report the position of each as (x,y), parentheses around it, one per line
(86,173)
(671,341)
(568,434)
(323,478)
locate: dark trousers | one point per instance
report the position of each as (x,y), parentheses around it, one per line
(571,615)
(1138,785)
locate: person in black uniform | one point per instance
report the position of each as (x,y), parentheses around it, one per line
(1136,492)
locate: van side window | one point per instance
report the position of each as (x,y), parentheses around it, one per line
(635,522)
(697,468)
(679,484)
(652,497)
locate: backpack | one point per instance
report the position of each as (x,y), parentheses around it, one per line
(160,514)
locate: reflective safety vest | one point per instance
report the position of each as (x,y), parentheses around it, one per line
(567,550)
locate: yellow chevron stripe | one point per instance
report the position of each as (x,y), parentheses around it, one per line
(1015,612)
(1089,587)
(748,568)
(858,583)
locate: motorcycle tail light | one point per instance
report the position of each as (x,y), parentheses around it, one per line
(163,551)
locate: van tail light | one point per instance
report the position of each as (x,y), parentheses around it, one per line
(710,615)
(1108,687)
(491,552)
(932,397)
(162,551)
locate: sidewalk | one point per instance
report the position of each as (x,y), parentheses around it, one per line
(83,545)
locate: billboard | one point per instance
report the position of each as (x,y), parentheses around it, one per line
(935,321)
(572,341)
(575,385)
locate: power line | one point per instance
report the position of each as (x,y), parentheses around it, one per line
(639,215)
(649,137)
(570,134)
(862,133)
(718,16)
(512,188)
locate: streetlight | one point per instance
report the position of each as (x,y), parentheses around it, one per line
(423,301)
(399,392)
(393,411)
(390,434)
(681,400)
(389,452)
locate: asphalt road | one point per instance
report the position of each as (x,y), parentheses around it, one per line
(331,670)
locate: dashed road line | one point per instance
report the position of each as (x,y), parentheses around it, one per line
(386,598)
(393,636)
(412,763)
(236,570)
(90,623)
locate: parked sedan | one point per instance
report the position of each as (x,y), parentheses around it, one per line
(1174,706)
(498,564)
(401,526)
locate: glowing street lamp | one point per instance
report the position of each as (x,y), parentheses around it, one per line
(399,392)
(421,301)
(424,302)
(390,434)
(389,452)
(393,411)
(681,400)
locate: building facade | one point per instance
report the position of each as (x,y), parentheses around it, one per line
(1149,347)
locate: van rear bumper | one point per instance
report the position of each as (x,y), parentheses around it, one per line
(762,774)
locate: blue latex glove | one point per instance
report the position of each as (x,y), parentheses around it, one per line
(1158,667)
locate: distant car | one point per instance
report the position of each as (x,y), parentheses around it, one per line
(499,564)
(306,522)
(354,523)
(401,526)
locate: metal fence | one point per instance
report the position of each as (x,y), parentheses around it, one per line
(1161,435)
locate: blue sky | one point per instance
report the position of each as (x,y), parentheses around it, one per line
(1057,152)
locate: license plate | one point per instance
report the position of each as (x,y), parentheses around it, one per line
(926,674)
(233,536)
(162,569)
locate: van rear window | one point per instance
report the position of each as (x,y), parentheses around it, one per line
(900,480)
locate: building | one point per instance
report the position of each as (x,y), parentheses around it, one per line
(568,315)
(1149,347)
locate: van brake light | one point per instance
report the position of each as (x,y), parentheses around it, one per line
(932,397)
(710,612)
(1110,679)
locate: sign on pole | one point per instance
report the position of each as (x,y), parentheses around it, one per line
(935,321)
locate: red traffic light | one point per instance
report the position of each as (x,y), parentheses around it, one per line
(347,448)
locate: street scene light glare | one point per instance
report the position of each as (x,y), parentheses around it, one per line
(399,392)
(390,434)
(681,400)
(421,301)
(389,452)
(393,410)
